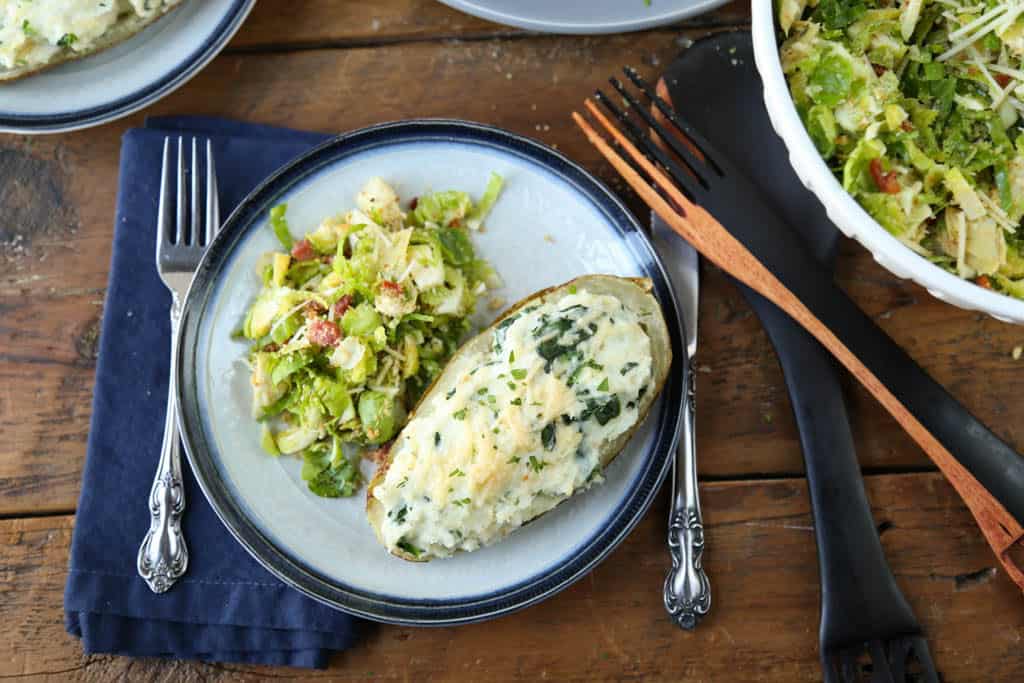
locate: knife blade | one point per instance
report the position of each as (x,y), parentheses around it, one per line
(687,592)
(680,260)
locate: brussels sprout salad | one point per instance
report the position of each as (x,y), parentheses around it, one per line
(355,320)
(916,105)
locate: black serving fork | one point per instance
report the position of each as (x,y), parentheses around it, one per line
(862,606)
(761,251)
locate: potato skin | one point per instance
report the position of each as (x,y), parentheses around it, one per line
(118,33)
(634,292)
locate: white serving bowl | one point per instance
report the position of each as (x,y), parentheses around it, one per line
(843,209)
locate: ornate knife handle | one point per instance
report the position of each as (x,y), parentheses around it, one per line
(163,556)
(687,590)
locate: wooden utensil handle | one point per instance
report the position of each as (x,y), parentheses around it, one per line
(715,243)
(711,239)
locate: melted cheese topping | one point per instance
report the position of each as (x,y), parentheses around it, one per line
(522,428)
(34,32)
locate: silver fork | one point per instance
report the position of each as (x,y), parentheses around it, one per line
(180,243)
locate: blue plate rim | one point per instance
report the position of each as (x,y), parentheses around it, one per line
(291,570)
(188,67)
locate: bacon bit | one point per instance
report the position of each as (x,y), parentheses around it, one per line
(303,251)
(879,70)
(983,281)
(413,203)
(313,309)
(973,71)
(886,182)
(327,258)
(456,223)
(323,333)
(1002,79)
(341,305)
(380,454)
(391,287)
(907,125)
(271,347)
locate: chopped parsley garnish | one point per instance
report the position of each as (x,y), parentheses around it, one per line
(398,514)
(517,401)
(514,460)
(627,368)
(547,436)
(519,373)
(512,386)
(28,29)
(572,289)
(437,438)
(405,480)
(457,473)
(408,547)
(511,357)
(462,502)
(482,390)
(449,394)
(67,40)
(603,386)
(459,414)
(536,465)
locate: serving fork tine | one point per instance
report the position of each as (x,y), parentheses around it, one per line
(182,238)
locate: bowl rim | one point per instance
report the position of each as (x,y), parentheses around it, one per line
(848,215)
(292,570)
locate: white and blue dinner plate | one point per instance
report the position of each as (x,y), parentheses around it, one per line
(592,16)
(553,222)
(125,78)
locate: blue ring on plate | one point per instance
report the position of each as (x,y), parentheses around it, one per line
(94,116)
(365,603)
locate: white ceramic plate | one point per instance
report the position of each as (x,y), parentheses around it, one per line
(553,222)
(125,78)
(594,16)
(843,209)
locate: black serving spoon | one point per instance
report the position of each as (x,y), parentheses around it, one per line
(715,86)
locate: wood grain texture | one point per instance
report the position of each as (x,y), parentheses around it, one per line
(280,24)
(56,251)
(334,65)
(611,625)
(715,243)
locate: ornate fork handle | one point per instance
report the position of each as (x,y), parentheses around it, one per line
(687,590)
(163,556)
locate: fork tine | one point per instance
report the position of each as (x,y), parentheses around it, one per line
(670,188)
(165,232)
(195,227)
(697,165)
(698,140)
(182,226)
(647,192)
(212,201)
(653,152)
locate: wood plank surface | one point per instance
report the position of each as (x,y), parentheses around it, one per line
(611,625)
(335,65)
(56,247)
(283,24)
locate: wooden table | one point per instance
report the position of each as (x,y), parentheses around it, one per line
(334,66)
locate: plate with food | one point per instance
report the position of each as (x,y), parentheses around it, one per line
(905,120)
(597,16)
(71,64)
(430,372)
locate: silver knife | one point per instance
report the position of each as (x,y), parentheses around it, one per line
(687,592)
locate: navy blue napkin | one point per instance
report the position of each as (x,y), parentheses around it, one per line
(227,608)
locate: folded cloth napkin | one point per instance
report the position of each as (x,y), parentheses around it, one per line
(226,608)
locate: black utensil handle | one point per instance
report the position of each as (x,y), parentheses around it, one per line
(859,596)
(995,464)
